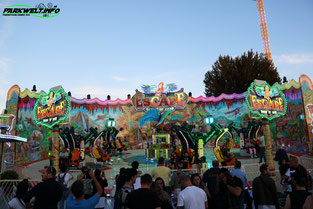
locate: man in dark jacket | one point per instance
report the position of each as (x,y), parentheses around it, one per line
(47,193)
(210,179)
(264,190)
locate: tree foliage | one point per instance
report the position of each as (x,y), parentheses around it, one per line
(234,75)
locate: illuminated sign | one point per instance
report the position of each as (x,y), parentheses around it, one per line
(52,108)
(266,101)
(160,100)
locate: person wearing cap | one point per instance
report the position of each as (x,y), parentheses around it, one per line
(191,197)
(264,190)
(47,193)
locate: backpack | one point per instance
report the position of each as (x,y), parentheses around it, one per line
(62,181)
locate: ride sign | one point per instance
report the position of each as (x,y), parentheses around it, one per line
(266,101)
(160,100)
(52,108)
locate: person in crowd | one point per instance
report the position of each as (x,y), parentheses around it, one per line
(113,188)
(47,193)
(162,171)
(100,176)
(143,198)
(251,148)
(120,179)
(209,178)
(135,165)
(264,190)
(229,189)
(87,181)
(174,183)
(17,202)
(185,161)
(285,182)
(298,170)
(122,193)
(191,197)
(63,157)
(261,143)
(283,167)
(197,181)
(308,204)
(76,199)
(161,182)
(163,196)
(281,156)
(242,176)
(64,177)
(173,161)
(296,199)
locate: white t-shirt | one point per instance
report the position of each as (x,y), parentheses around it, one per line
(66,178)
(16,204)
(137,184)
(262,141)
(192,197)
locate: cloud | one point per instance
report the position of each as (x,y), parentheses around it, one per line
(117,78)
(101,92)
(295,58)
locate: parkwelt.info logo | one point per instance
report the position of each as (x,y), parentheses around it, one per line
(40,10)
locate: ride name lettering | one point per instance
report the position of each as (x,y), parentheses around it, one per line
(276,104)
(177,100)
(51,111)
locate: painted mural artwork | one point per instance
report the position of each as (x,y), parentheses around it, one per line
(38,137)
(307,92)
(38,144)
(290,131)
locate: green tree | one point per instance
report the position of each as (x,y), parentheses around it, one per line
(234,75)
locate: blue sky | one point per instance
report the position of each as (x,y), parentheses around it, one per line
(111,47)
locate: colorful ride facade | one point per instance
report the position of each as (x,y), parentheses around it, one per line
(137,124)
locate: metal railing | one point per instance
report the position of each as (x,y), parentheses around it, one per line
(8,190)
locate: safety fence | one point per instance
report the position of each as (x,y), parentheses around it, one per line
(8,190)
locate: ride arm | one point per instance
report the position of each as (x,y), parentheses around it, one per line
(215,129)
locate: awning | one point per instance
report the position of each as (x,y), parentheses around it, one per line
(11,138)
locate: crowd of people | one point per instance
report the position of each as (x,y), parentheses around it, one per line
(217,188)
